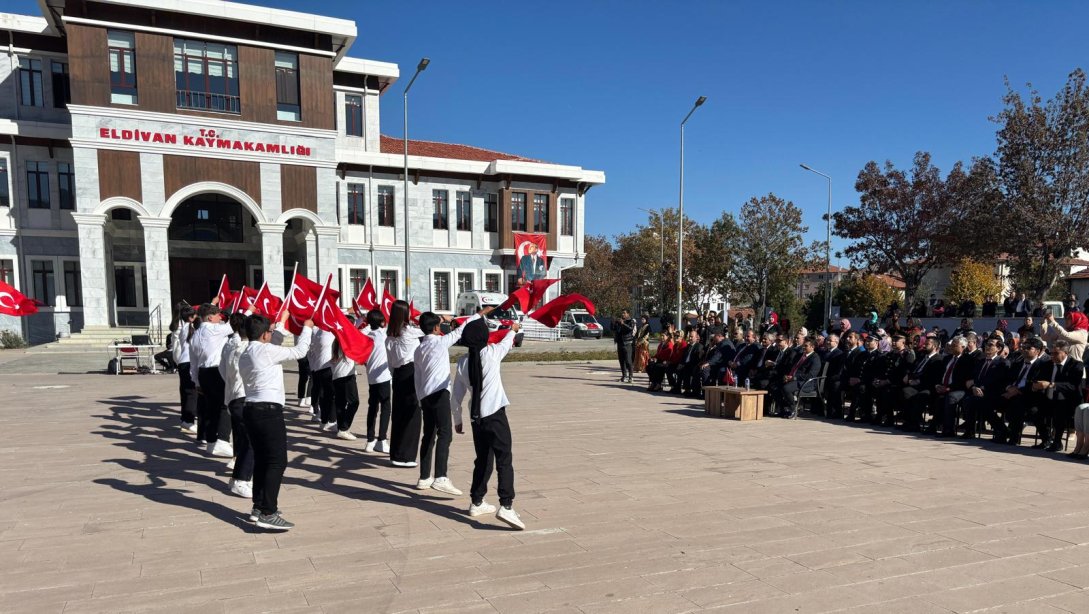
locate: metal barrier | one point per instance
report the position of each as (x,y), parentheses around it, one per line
(532,329)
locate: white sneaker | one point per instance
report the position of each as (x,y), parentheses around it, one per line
(424,484)
(370,445)
(221,448)
(382,446)
(230,463)
(483,509)
(509,516)
(346,435)
(446,486)
(304,402)
(328,426)
(242,489)
(315,417)
(188,427)
(403,463)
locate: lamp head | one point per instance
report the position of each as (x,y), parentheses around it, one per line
(701,100)
(423,64)
(805,167)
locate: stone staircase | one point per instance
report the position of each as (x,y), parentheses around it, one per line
(96,337)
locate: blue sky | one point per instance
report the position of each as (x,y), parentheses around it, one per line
(605,84)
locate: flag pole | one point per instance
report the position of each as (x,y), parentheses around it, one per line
(321,296)
(290,289)
(222,280)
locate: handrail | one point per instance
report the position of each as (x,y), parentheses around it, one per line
(155,325)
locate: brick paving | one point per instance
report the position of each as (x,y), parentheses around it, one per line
(635,503)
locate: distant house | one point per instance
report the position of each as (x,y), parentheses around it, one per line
(811,281)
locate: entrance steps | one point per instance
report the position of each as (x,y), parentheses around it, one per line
(97,337)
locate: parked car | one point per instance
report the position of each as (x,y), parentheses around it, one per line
(472,301)
(579,324)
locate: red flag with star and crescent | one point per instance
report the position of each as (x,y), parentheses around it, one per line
(329,316)
(15,303)
(529,295)
(367,299)
(225,296)
(302,300)
(550,313)
(387,303)
(266,303)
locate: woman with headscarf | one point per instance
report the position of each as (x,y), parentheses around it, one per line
(1076,332)
(642,346)
(871,325)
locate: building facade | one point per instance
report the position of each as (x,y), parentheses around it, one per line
(147,147)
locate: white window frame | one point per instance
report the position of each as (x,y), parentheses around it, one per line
(345,271)
(59,286)
(14,270)
(451,293)
(140,272)
(6,158)
(400,280)
(474,285)
(485,272)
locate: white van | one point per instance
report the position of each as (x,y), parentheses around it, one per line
(470,302)
(579,324)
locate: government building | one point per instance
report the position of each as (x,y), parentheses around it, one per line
(147,147)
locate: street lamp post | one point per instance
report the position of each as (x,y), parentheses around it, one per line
(680,210)
(408,258)
(661,257)
(827,249)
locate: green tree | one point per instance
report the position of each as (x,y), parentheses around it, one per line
(770,252)
(640,254)
(973,280)
(600,279)
(711,269)
(858,294)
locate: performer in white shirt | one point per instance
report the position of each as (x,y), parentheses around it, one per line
(241,482)
(187,388)
(401,342)
(478,376)
(263,381)
(321,378)
(432,377)
(205,350)
(345,392)
(378,380)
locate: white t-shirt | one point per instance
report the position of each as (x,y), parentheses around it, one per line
(261,371)
(377,364)
(228,368)
(492,395)
(402,350)
(320,355)
(432,358)
(206,346)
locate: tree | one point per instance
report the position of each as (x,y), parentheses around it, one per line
(640,256)
(858,294)
(711,268)
(770,252)
(908,223)
(1043,166)
(972,280)
(599,278)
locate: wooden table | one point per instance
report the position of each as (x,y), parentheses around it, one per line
(733,402)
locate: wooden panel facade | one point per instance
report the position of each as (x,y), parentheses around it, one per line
(155,84)
(299,187)
(316,91)
(257,84)
(180,171)
(119,175)
(506,232)
(88,68)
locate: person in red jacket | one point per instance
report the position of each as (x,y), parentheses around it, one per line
(656,368)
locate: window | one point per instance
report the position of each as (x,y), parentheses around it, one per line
(30,82)
(567,217)
(441,295)
(124,280)
(357,278)
(66,182)
(518,211)
(62,91)
(491,213)
(37,185)
(73,294)
(492,281)
(206,76)
(540,213)
(7,271)
(388,280)
(357,215)
(258,277)
(465,211)
(465,282)
(121,214)
(122,49)
(287,87)
(207,217)
(5,195)
(44,284)
(385,205)
(441,219)
(353,115)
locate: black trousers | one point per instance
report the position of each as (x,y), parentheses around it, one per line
(187,390)
(303,390)
(656,371)
(981,409)
(1019,409)
(493,443)
(321,394)
(947,409)
(405,422)
(346,397)
(378,397)
(1056,415)
(210,405)
(437,433)
(243,451)
(268,436)
(833,399)
(623,355)
(916,403)
(166,360)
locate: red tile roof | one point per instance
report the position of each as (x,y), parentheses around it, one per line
(1079,275)
(891,281)
(453,151)
(832,269)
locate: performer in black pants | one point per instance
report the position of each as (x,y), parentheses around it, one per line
(187,388)
(321,378)
(205,351)
(402,340)
(624,336)
(302,392)
(345,392)
(241,482)
(379,390)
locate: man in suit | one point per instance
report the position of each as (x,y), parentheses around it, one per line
(889,389)
(834,357)
(957,370)
(806,367)
(718,357)
(688,372)
(870,373)
(745,359)
(851,374)
(919,386)
(1023,306)
(1062,393)
(985,388)
(531,266)
(764,364)
(1008,304)
(783,362)
(1021,398)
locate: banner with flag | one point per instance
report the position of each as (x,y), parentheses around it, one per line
(15,303)
(329,316)
(528,296)
(266,303)
(387,303)
(551,312)
(413,313)
(367,298)
(225,296)
(530,252)
(302,300)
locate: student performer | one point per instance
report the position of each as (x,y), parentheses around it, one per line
(205,350)
(241,482)
(321,378)
(378,381)
(183,329)
(345,392)
(401,342)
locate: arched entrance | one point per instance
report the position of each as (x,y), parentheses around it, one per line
(300,244)
(125,258)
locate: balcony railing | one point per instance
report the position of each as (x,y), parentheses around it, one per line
(208,101)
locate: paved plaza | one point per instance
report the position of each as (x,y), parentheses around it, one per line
(634,503)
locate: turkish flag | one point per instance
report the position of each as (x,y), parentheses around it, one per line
(243,301)
(497,335)
(413,313)
(387,303)
(529,295)
(266,303)
(302,300)
(367,299)
(550,313)
(328,316)
(15,303)
(225,296)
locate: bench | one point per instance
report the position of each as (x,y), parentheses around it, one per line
(733,402)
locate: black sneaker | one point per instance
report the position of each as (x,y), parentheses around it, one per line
(254,513)
(274,522)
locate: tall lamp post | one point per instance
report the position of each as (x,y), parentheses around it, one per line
(408,258)
(680,210)
(661,257)
(827,249)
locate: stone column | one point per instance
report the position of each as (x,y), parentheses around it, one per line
(157,265)
(327,260)
(311,243)
(92,268)
(272,255)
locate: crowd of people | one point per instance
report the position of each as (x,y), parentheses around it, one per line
(908,378)
(231,386)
